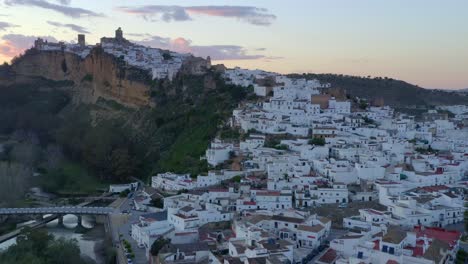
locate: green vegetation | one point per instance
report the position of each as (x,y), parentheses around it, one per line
(368,120)
(38,247)
(190,120)
(87,78)
(108,142)
(427,150)
(237,178)
(69,178)
(158,245)
(317,141)
(281,147)
(363,104)
(271,142)
(124,193)
(462,257)
(158,202)
(227,133)
(7,227)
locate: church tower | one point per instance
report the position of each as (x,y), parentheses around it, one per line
(119,34)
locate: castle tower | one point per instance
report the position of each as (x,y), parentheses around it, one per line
(81,40)
(119,34)
(38,43)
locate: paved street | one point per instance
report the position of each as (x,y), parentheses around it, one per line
(125,229)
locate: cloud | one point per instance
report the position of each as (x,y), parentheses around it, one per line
(5,25)
(63,8)
(248,14)
(14,44)
(73,27)
(216,52)
(138,34)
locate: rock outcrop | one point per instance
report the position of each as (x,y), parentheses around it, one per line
(98,75)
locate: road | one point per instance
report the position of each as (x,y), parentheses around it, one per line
(121,228)
(125,229)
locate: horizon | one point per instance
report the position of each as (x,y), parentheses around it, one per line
(424,46)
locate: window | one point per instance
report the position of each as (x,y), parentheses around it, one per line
(384,248)
(360,255)
(391,250)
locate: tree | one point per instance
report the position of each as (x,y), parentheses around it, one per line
(122,165)
(39,247)
(317,141)
(158,245)
(462,257)
(466,221)
(237,178)
(14,181)
(157,202)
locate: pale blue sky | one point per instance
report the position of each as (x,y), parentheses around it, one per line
(420,41)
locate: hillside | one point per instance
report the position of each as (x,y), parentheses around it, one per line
(105,118)
(396,93)
(108,120)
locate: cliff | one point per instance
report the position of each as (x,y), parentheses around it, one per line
(98,75)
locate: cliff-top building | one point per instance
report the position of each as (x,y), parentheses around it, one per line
(118,39)
(81,40)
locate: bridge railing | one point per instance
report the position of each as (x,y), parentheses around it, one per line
(58,210)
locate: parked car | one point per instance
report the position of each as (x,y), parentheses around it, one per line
(343,205)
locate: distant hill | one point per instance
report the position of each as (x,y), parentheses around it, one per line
(395,93)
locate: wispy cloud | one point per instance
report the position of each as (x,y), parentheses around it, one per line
(249,14)
(64,2)
(216,52)
(138,34)
(14,44)
(73,27)
(5,25)
(63,7)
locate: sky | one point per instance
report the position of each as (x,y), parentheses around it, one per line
(424,42)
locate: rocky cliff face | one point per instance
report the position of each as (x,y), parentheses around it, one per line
(98,75)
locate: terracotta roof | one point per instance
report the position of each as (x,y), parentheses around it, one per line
(448,236)
(323,219)
(329,256)
(434,250)
(394,235)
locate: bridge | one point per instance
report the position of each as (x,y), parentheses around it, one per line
(63,210)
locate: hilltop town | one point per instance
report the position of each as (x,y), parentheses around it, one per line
(301,176)
(161,64)
(300,172)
